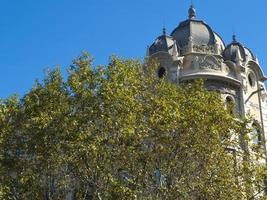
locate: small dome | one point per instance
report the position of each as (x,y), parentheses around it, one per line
(163,43)
(249,54)
(235,50)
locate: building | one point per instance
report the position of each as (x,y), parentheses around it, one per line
(194,50)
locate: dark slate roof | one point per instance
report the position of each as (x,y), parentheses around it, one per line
(198,30)
(163,43)
(230,52)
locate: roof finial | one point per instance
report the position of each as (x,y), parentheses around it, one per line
(192,12)
(234,37)
(164,30)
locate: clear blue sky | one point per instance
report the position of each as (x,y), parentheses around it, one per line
(36,34)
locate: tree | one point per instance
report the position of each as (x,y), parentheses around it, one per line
(119,132)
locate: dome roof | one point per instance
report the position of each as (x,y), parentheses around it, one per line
(249,54)
(236,50)
(219,41)
(163,43)
(197,30)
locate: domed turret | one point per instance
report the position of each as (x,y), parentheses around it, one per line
(164,43)
(236,52)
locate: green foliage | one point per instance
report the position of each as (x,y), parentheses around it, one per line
(119,133)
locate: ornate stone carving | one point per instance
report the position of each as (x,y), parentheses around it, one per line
(204,49)
(210,62)
(180,60)
(207,49)
(227,69)
(223,90)
(227,90)
(223,87)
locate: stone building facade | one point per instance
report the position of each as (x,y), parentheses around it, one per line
(193,50)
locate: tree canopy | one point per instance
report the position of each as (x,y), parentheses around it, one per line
(120,132)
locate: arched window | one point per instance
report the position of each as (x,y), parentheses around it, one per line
(161,72)
(252,79)
(230,104)
(256,134)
